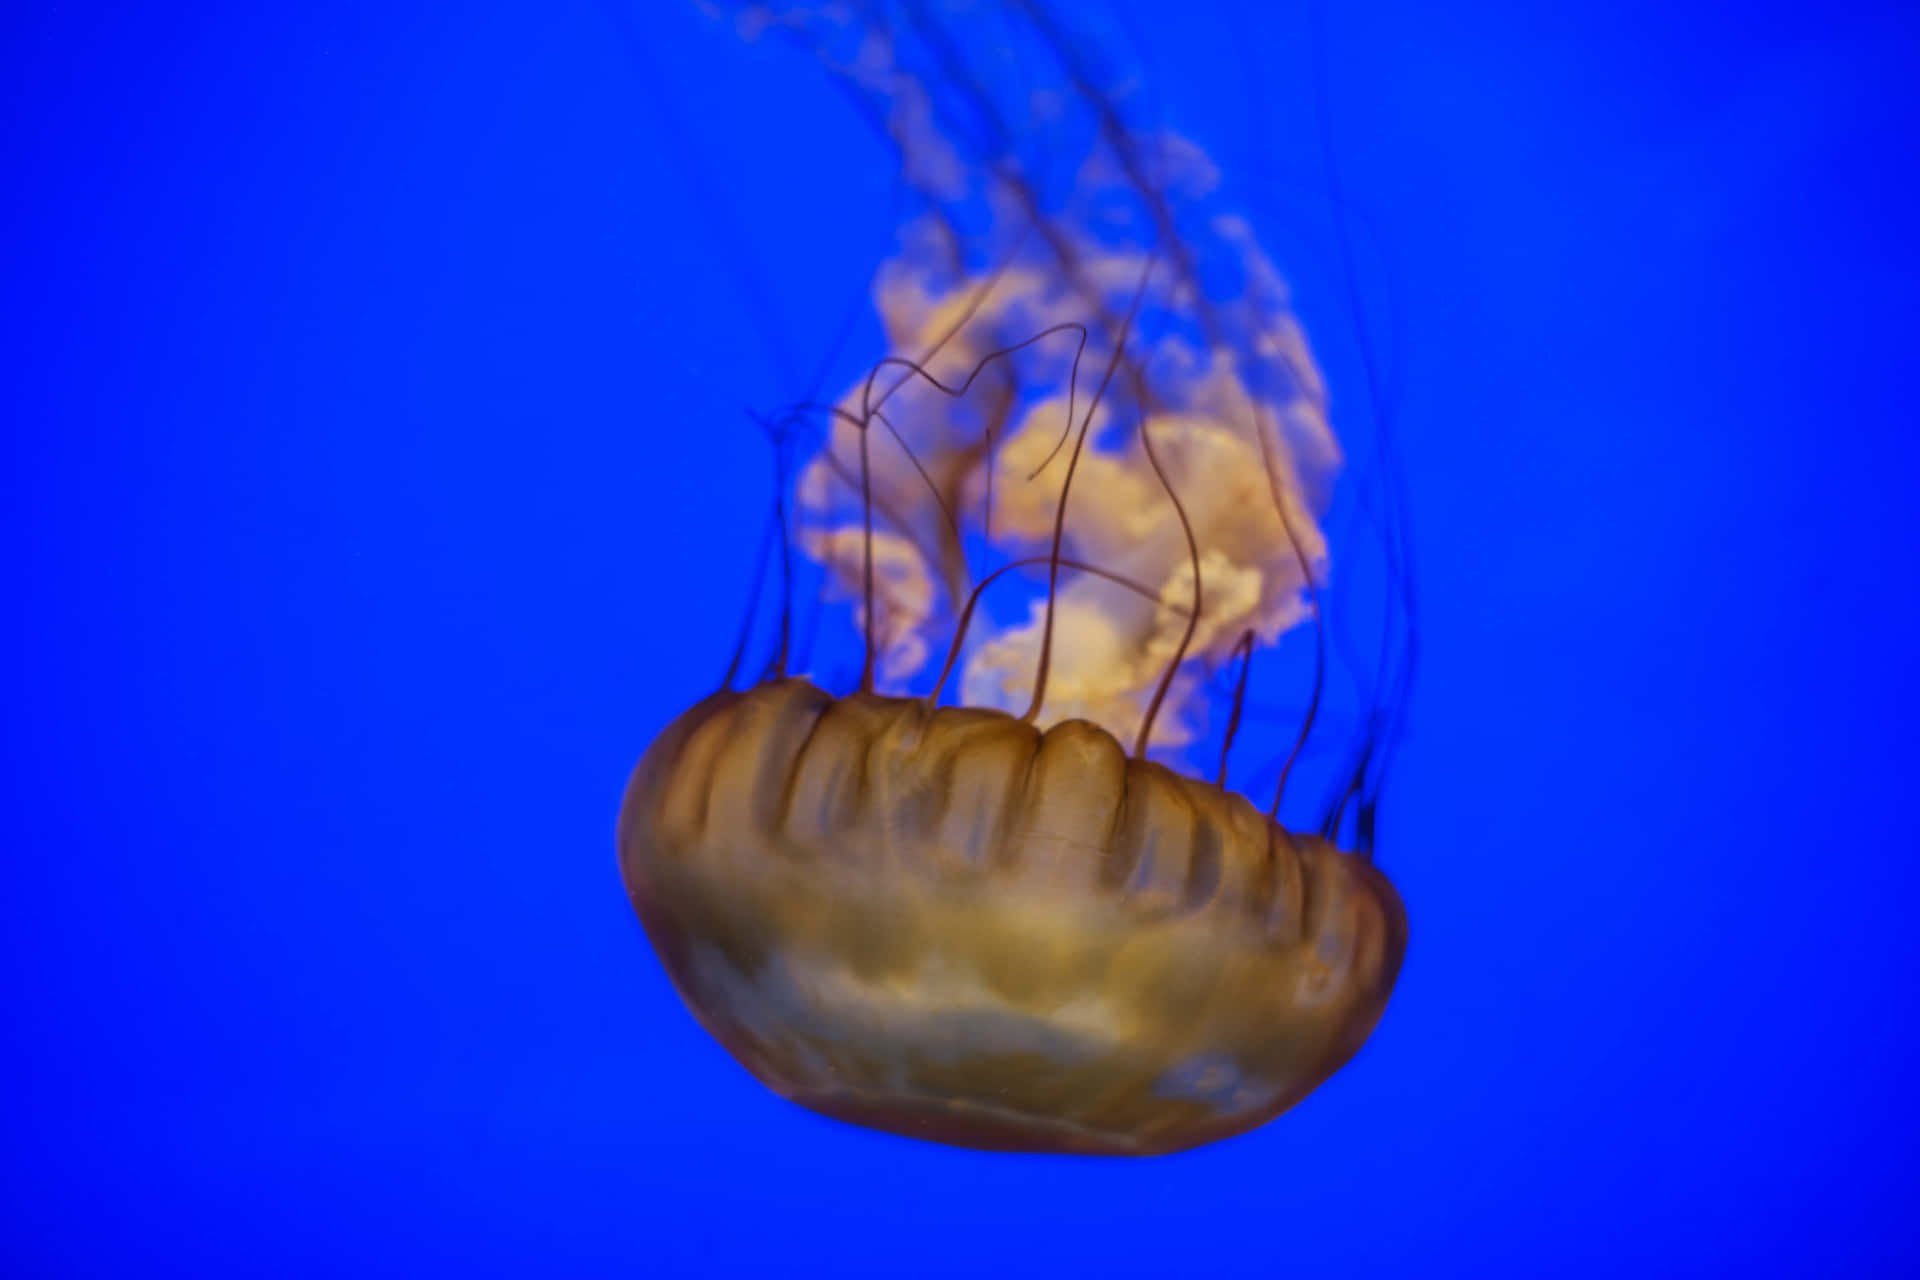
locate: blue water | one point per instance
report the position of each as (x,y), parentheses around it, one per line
(375,487)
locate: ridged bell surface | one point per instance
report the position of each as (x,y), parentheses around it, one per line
(952,926)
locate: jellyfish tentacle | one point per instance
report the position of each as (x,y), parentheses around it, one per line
(1243,650)
(1066,487)
(918,369)
(753,606)
(1280,506)
(866,552)
(1193,618)
(967,313)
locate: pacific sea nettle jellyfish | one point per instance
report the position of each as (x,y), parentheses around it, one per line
(969,899)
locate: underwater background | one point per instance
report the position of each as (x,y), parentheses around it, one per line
(376,484)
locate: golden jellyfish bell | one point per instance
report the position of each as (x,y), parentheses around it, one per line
(993,924)
(948,924)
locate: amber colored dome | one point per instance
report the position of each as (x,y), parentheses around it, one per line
(950,925)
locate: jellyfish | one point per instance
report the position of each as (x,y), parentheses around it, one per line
(979,892)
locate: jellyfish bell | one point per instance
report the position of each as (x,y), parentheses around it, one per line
(996,912)
(947,923)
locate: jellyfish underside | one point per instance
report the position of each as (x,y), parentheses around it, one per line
(994,925)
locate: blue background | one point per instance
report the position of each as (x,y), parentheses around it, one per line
(375,487)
